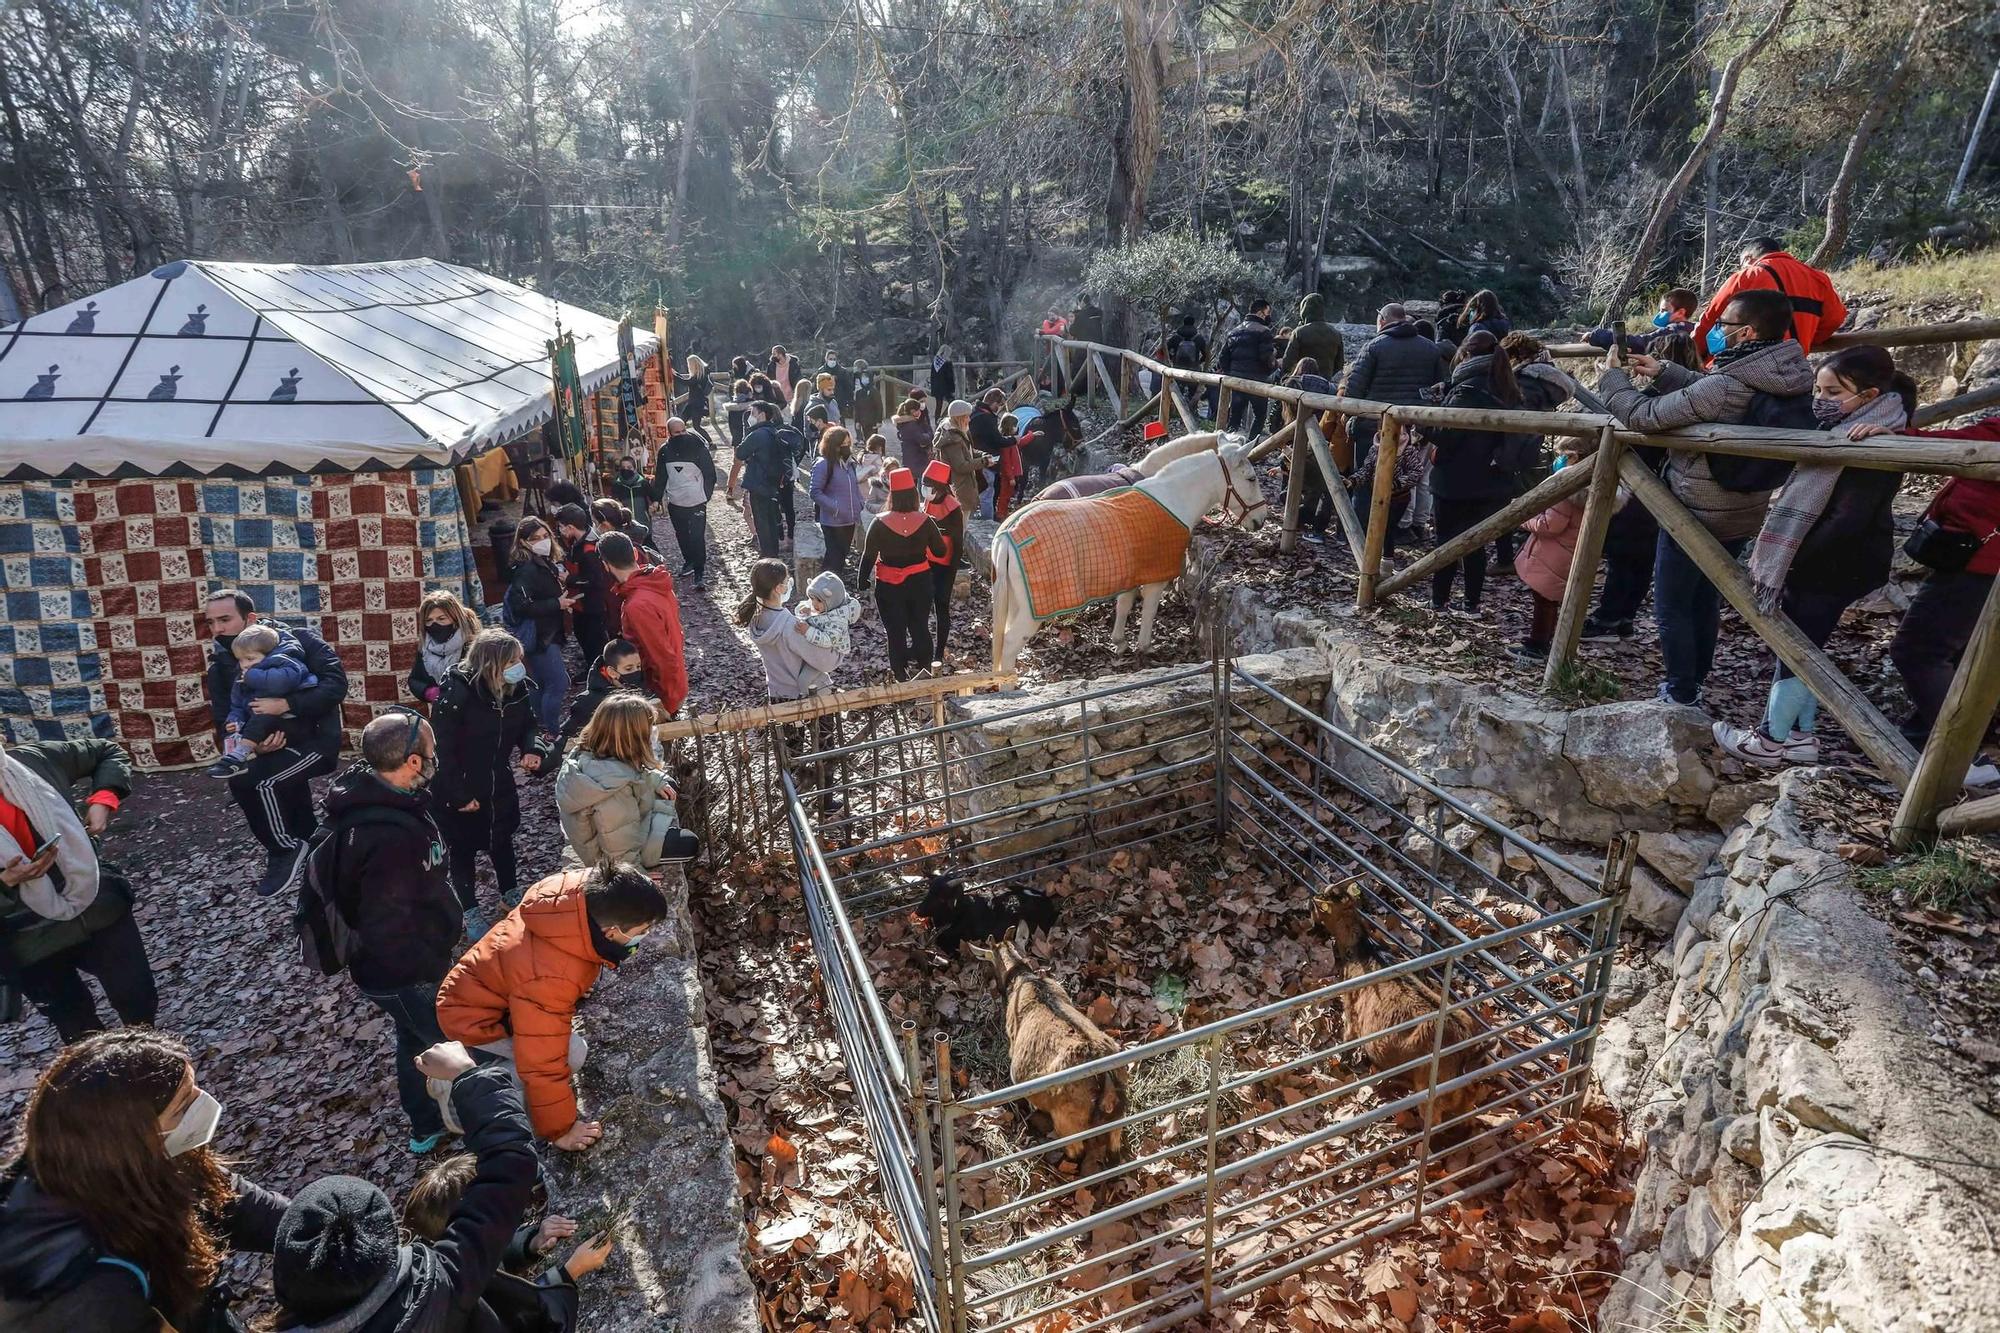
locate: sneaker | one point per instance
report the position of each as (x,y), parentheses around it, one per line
(1802,747)
(226,768)
(282,871)
(476,925)
(1529,653)
(1315,538)
(1751,745)
(1666,696)
(420,1146)
(698,584)
(1605,631)
(1985,772)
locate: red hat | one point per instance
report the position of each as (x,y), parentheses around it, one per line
(939,471)
(1156,430)
(900,479)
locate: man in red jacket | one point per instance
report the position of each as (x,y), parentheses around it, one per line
(1817,310)
(651,617)
(1946,609)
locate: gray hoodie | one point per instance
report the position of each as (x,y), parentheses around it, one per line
(1683,397)
(794,666)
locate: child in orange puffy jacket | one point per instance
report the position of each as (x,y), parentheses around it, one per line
(512,996)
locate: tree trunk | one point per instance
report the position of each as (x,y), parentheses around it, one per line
(1138,144)
(1840,196)
(1670,198)
(678,210)
(38,244)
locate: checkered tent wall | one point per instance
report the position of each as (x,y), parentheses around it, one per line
(104,582)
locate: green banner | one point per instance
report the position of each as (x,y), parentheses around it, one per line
(567,395)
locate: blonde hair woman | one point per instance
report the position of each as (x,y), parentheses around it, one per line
(615,804)
(484,714)
(446,630)
(694,410)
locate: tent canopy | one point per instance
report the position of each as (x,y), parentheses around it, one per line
(213,369)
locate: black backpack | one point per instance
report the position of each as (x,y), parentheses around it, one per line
(1733,472)
(1187,351)
(326,939)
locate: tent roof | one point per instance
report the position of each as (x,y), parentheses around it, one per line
(202,368)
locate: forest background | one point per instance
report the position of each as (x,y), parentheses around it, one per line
(880,174)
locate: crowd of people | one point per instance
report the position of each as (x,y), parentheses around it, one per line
(1816,538)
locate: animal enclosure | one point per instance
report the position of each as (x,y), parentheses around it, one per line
(1259,1142)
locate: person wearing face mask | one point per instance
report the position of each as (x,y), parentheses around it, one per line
(1827,541)
(484,715)
(391,885)
(512,996)
(448,629)
(618,667)
(533,612)
(632,488)
(1763,366)
(115,1214)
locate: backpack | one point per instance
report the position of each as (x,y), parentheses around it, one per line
(521,627)
(1187,350)
(1733,472)
(326,940)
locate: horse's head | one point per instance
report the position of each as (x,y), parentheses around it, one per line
(1242,498)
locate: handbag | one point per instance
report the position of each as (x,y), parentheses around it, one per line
(1943,549)
(29,937)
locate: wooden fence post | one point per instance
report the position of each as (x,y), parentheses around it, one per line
(1597,511)
(1295,490)
(1222,399)
(1307,425)
(1961,726)
(1388,441)
(1168,392)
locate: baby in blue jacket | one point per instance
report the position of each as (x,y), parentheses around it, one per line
(269,665)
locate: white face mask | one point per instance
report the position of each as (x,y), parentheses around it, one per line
(542,546)
(196,1128)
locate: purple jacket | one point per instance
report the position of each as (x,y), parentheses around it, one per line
(836,494)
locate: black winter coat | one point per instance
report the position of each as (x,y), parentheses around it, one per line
(1467,465)
(54,1278)
(1848,552)
(590,582)
(443,1286)
(476,737)
(535,593)
(984,428)
(394,885)
(1396,367)
(315,724)
(1250,351)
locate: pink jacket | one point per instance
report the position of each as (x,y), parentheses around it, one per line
(1543,563)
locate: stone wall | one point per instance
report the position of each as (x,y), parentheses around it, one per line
(1127,739)
(1810,1164)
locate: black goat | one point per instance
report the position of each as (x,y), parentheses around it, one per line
(958,914)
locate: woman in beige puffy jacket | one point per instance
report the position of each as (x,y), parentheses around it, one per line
(615,805)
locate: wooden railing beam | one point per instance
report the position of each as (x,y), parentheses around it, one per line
(1955,737)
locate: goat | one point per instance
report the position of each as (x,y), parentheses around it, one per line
(960,915)
(1045,1035)
(1384,1004)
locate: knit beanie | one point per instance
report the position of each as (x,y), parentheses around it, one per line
(827,587)
(959,408)
(336,1247)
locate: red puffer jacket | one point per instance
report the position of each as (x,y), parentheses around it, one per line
(1967,504)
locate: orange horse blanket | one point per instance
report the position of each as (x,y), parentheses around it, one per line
(1075,552)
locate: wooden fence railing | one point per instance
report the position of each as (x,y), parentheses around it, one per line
(1930,781)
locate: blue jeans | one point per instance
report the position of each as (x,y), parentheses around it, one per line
(413,1011)
(550,674)
(1688,610)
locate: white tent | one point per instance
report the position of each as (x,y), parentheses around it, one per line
(212,369)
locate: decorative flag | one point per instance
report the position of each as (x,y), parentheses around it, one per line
(628,387)
(566,394)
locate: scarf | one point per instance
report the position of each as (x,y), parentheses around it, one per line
(440,658)
(54,818)
(1803,498)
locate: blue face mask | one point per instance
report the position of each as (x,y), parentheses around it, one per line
(1661,320)
(1716,341)
(515,673)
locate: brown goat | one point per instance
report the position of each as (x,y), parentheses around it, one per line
(1047,1034)
(1381,1005)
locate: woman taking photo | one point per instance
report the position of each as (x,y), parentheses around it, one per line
(903,547)
(1473,474)
(533,612)
(836,495)
(116,1217)
(614,803)
(483,715)
(448,630)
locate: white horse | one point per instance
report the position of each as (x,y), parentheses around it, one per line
(1126,542)
(1125,474)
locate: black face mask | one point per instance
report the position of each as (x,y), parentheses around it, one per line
(630,680)
(440,633)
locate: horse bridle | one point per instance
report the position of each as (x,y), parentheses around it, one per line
(1230,493)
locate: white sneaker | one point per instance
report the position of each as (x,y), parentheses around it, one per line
(1985,772)
(1802,747)
(1750,745)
